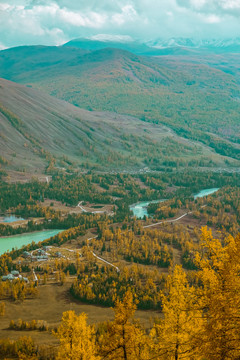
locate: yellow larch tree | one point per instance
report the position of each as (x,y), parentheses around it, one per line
(220,277)
(176,334)
(77,339)
(124,338)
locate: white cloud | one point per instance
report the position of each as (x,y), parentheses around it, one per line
(2,46)
(198,4)
(127,14)
(42,10)
(223,7)
(55,21)
(230,4)
(5,7)
(93,19)
(212,19)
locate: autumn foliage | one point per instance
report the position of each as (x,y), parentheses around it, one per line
(77,339)
(200,312)
(199,317)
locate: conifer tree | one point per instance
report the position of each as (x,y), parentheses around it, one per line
(2,309)
(219,274)
(124,339)
(77,340)
(177,333)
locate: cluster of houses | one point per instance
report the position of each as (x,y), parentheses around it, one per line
(37,255)
(14,274)
(40,254)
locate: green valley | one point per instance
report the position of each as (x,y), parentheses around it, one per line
(181,92)
(41,132)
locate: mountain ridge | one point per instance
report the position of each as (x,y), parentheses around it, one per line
(158,47)
(41,132)
(197,97)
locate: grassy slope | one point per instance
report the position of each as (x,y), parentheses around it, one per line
(58,301)
(37,129)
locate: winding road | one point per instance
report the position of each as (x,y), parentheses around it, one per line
(167,221)
(98,257)
(107,262)
(146,226)
(80,206)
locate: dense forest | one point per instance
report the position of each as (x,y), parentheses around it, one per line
(200,317)
(185,271)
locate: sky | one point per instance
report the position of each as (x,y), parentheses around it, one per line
(50,22)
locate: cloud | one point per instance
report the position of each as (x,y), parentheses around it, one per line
(218,7)
(53,22)
(128,13)
(21,25)
(212,19)
(231,4)
(92,19)
(2,46)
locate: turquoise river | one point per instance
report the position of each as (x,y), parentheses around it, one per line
(140,209)
(17,241)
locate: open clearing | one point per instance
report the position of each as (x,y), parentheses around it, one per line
(88,207)
(25,177)
(49,305)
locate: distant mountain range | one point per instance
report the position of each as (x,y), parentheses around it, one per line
(176,46)
(135,47)
(213,45)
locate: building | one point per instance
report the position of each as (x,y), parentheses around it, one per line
(13,276)
(26,254)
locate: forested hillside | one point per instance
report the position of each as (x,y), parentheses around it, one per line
(39,132)
(196,95)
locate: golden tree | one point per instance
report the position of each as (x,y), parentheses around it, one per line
(2,308)
(220,277)
(177,333)
(124,338)
(77,340)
